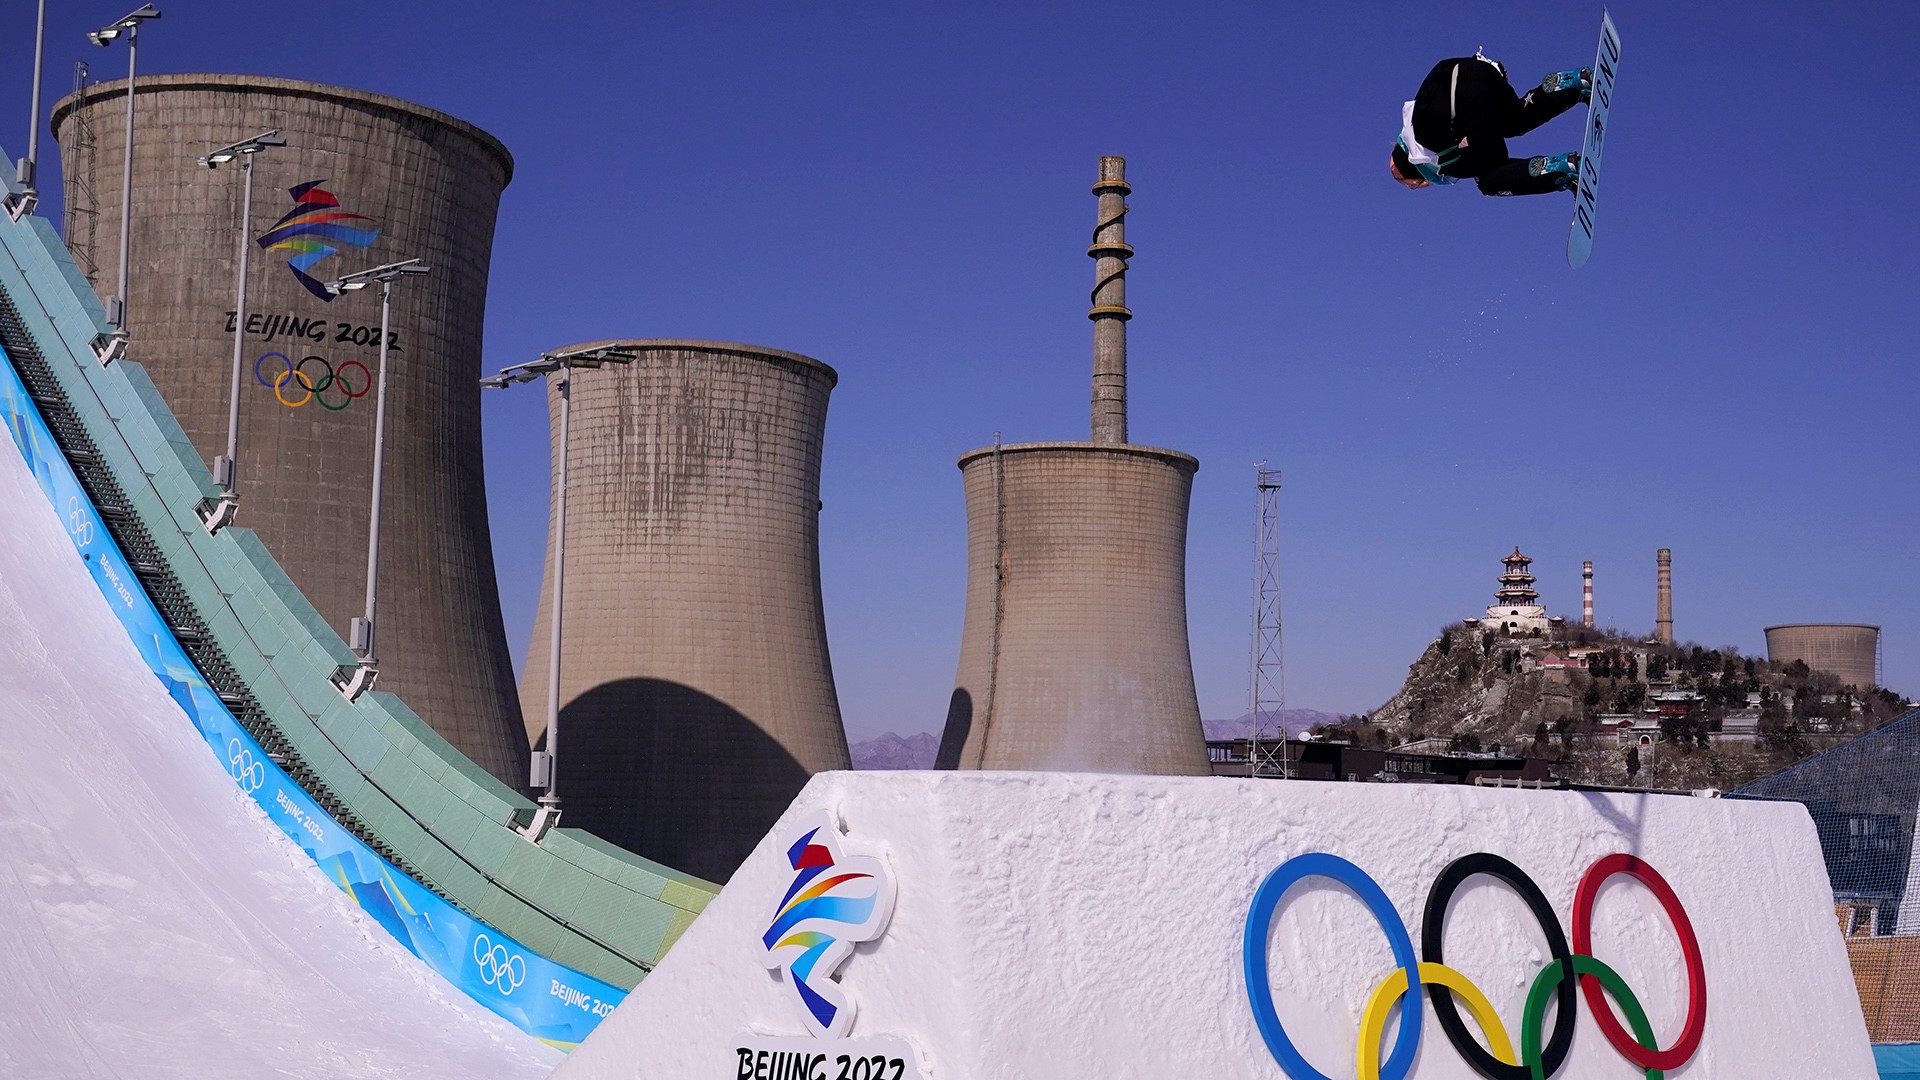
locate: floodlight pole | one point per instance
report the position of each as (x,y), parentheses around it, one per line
(226,467)
(353,682)
(118,315)
(379,459)
(18,206)
(552,797)
(545,772)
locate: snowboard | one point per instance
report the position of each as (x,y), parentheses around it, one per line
(1605,64)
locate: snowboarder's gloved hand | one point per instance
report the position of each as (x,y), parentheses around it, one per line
(1557,81)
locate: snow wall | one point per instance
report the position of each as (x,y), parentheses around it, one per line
(1050,925)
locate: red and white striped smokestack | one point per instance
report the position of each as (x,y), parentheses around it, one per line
(1586,593)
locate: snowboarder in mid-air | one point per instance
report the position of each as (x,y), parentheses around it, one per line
(1457,127)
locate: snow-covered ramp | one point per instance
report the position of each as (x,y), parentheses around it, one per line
(152,922)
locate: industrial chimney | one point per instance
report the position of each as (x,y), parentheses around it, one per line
(1074,651)
(696,694)
(1586,594)
(1663,598)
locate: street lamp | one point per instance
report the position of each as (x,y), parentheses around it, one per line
(352,683)
(116,344)
(220,514)
(542,771)
(21,204)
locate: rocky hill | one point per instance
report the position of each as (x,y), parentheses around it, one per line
(1590,700)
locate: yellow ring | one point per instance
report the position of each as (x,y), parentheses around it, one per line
(305,382)
(1373,1021)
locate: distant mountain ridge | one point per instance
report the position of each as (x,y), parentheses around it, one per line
(1296,721)
(890,751)
(917,751)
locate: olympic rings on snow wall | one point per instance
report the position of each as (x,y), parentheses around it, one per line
(299,379)
(1449,989)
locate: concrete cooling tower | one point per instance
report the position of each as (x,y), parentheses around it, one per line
(1074,651)
(696,692)
(1848,650)
(363,180)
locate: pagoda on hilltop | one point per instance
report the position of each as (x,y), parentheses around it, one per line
(1516,604)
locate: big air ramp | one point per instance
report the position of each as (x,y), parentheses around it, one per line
(152,922)
(547,935)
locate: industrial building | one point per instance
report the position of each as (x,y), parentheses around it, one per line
(1850,651)
(363,180)
(1074,652)
(696,693)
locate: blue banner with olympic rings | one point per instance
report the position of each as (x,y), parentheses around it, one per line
(550,1001)
(1449,989)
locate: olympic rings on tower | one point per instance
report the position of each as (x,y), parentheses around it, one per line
(1449,989)
(297,377)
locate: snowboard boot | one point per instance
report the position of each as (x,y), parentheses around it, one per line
(1563,168)
(1581,78)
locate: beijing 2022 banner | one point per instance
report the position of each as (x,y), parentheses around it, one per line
(549,1001)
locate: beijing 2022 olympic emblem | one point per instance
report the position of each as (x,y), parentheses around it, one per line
(833,901)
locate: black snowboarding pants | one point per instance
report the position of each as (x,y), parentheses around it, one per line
(1468,100)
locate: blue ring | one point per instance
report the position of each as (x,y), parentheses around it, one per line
(1253,956)
(263,359)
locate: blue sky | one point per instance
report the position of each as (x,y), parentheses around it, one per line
(900,190)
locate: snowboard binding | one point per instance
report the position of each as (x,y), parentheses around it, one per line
(1557,81)
(1563,168)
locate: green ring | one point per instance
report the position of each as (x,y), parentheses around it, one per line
(1549,980)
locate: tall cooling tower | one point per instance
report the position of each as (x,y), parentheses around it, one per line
(696,692)
(1074,650)
(363,180)
(1848,650)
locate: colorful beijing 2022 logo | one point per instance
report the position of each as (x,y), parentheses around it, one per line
(306,232)
(1449,989)
(833,901)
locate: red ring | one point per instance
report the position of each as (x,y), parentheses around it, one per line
(364,387)
(1689,1041)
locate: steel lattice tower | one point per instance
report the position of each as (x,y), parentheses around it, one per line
(1267,672)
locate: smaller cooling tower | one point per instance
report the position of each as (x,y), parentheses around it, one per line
(1074,651)
(696,693)
(1848,650)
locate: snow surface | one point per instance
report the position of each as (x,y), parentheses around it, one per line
(1069,926)
(153,924)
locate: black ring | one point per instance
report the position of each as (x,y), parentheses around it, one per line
(323,383)
(1432,933)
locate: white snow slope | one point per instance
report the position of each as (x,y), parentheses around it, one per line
(153,924)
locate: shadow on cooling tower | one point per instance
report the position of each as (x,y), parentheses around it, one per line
(673,774)
(953,738)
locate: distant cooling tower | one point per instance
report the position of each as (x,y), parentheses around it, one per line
(1848,650)
(696,692)
(363,180)
(1074,651)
